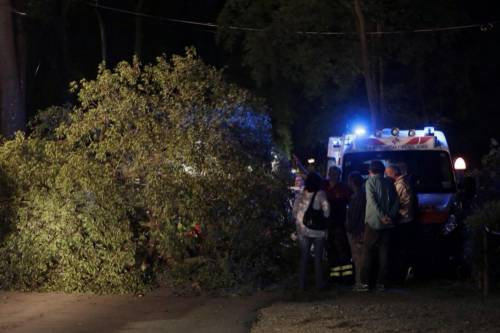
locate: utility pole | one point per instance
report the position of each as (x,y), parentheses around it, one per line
(102,32)
(369,82)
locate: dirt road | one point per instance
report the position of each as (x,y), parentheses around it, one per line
(419,310)
(159,311)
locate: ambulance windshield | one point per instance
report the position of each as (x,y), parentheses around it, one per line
(430,171)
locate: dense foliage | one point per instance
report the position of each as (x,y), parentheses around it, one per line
(489,175)
(486,213)
(161,168)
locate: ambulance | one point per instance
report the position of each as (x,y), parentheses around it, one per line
(426,156)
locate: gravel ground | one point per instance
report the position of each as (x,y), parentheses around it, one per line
(424,309)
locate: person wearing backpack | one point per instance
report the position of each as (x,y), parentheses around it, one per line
(311,212)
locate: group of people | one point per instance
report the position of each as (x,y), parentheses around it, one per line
(368,224)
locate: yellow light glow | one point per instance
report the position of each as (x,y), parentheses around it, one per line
(460,164)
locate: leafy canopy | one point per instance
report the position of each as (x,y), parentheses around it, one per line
(159,169)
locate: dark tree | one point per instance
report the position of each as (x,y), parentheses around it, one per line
(13,116)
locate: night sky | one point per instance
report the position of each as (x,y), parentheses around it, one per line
(468,133)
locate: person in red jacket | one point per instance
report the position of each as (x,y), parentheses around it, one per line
(338,250)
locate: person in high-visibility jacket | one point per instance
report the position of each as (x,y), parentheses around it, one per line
(338,251)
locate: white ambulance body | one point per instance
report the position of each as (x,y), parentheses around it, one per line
(424,153)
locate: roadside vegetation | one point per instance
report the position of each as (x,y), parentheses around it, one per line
(158,171)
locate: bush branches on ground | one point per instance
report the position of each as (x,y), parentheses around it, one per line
(161,168)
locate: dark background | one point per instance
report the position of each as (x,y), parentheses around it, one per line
(462,80)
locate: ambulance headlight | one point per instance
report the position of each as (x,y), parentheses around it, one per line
(412,132)
(395,131)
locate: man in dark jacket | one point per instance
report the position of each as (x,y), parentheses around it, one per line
(382,207)
(355,222)
(338,250)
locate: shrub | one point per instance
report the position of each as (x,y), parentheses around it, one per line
(488,177)
(485,206)
(68,229)
(158,168)
(487,216)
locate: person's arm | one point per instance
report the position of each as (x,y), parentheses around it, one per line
(301,167)
(393,201)
(404,194)
(296,206)
(325,206)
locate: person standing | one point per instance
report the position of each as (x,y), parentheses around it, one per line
(338,250)
(406,229)
(382,207)
(355,222)
(311,200)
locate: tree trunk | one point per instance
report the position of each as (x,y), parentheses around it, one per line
(22,52)
(381,78)
(13,115)
(65,69)
(370,87)
(102,31)
(421,94)
(486,264)
(138,29)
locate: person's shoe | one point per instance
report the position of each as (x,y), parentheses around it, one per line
(380,287)
(361,288)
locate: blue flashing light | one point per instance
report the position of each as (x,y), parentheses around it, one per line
(360,131)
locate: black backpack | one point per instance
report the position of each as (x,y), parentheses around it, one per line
(314,218)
